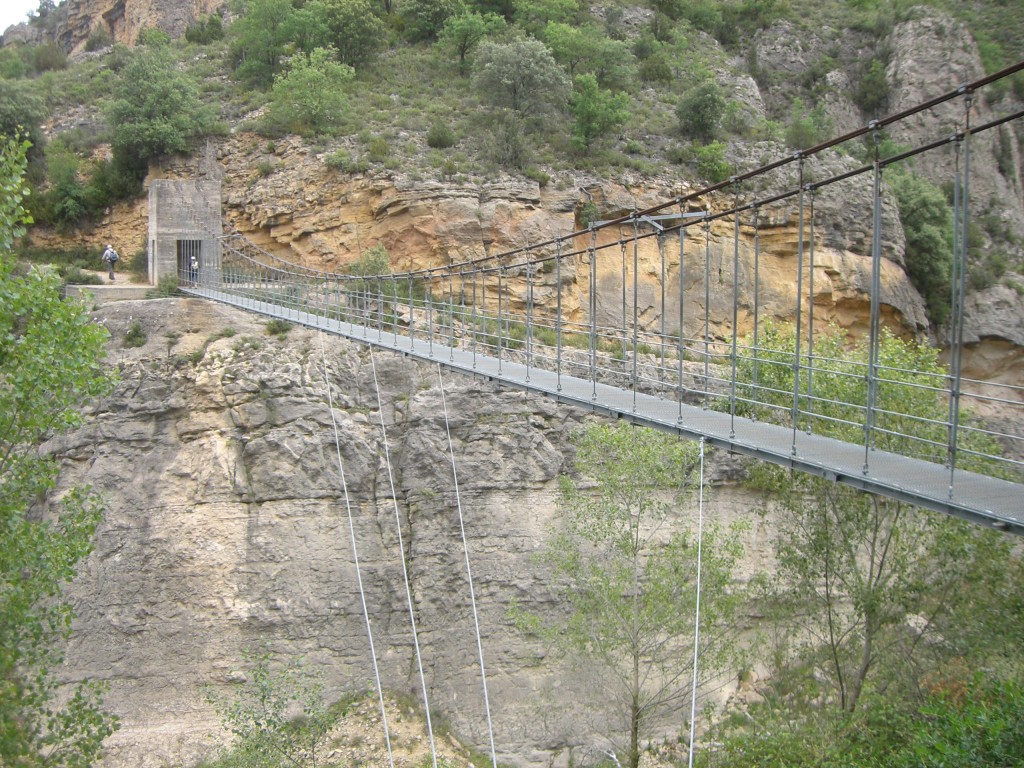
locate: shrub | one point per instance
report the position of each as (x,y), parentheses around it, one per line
(75,276)
(440,136)
(872,94)
(278,327)
(535,174)
(596,112)
(166,287)
(700,111)
(425,18)
(521,75)
(711,162)
(138,263)
(378,149)
(806,128)
(135,337)
(927,226)
(99,39)
(656,69)
(47,57)
(205,31)
(309,98)
(153,37)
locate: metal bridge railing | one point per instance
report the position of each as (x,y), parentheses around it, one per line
(573,306)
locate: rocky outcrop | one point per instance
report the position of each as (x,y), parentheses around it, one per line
(228,526)
(933,54)
(75,20)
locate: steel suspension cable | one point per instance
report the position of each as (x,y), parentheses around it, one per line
(469,572)
(355,552)
(405,570)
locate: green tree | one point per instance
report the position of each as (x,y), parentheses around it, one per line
(205,30)
(586,49)
(155,111)
(259,38)
(596,112)
(278,715)
(424,19)
(700,111)
(805,128)
(624,562)
(309,98)
(356,33)
(306,28)
(22,112)
(711,162)
(66,200)
(872,94)
(863,580)
(463,33)
(534,15)
(50,364)
(520,75)
(928,228)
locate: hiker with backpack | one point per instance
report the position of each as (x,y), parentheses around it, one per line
(110,257)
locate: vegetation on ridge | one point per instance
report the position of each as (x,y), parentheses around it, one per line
(468,89)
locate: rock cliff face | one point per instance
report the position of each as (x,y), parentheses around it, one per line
(76,20)
(285,196)
(228,526)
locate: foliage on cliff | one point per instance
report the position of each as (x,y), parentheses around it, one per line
(534,87)
(50,356)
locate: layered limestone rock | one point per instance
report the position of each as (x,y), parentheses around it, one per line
(228,526)
(76,20)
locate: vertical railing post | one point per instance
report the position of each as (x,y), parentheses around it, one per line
(682,332)
(954,300)
(735,304)
(558,315)
(412,313)
(875,320)
(529,313)
(593,312)
(634,379)
(795,413)
(707,306)
(661,313)
(757,318)
(394,308)
(430,313)
(368,310)
(957,342)
(810,318)
(625,330)
(502,301)
(478,271)
(451,314)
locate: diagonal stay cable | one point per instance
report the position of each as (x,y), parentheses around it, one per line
(405,570)
(469,572)
(355,552)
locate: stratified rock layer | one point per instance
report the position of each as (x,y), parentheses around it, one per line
(228,526)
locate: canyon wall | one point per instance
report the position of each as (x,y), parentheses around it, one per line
(228,529)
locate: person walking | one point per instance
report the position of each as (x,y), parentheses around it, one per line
(110,257)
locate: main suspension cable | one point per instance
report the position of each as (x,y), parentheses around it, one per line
(405,570)
(355,552)
(469,572)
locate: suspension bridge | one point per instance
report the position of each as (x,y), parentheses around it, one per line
(539,318)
